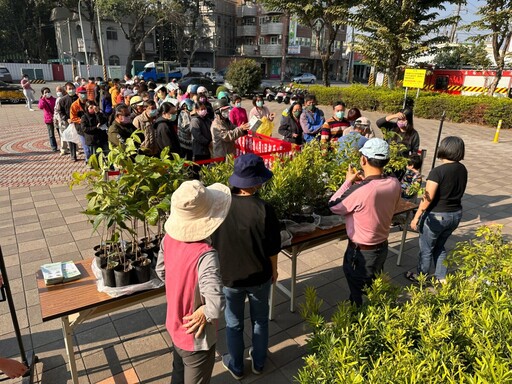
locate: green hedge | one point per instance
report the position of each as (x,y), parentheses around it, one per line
(482,110)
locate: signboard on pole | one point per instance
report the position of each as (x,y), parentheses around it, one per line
(115,72)
(414,78)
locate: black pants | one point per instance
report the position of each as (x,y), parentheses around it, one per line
(72,150)
(360,268)
(197,168)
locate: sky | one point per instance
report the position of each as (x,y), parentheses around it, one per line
(468,15)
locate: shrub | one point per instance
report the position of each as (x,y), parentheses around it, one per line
(458,332)
(244,75)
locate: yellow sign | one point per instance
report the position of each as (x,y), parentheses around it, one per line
(414,78)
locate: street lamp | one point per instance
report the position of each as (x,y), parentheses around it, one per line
(83,36)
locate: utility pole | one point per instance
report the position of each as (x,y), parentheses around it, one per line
(351,60)
(105,74)
(453,31)
(284,43)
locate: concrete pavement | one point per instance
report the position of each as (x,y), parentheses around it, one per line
(40,222)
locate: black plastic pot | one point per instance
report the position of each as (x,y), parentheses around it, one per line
(142,267)
(123,276)
(108,277)
(101,260)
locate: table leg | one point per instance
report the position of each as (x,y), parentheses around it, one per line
(68,340)
(404,237)
(271,302)
(295,252)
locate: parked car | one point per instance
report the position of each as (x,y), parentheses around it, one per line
(304,78)
(11,93)
(210,85)
(5,75)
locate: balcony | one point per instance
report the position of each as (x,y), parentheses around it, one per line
(271,29)
(247,50)
(271,11)
(271,50)
(246,30)
(246,10)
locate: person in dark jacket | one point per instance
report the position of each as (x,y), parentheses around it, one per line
(64,109)
(122,127)
(201,135)
(93,125)
(166,127)
(403,125)
(290,127)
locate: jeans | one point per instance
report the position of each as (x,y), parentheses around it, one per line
(361,267)
(51,135)
(234,314)
(87,153)
(103,146)
(192,367)
(435,230)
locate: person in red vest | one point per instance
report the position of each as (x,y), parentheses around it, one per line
(189,265)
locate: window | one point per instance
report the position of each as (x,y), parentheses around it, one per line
(111,33)
(248,41)
(78,31)
(249,20)
(441,83)
(261,41)
(274,40)
(275,19)
(114,60)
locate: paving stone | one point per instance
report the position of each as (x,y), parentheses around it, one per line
(143,349)
(63,238)
(31,245)
(106,362)
(30,236)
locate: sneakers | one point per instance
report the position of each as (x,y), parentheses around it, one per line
(411,276)
(225,364)
(253,367)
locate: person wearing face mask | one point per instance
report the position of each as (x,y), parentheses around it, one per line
(75,114)
(92,123)
(333,128)
(238,115)
(160,95)
(57,121)
(137,106)
(166,127)
(122,127)
(260,110)
(402,124)
(202,97)
(201,134)
(64,111)
(184,132)
(28,91)
(47,104)
(144,122)
(224,132)
(312,119)
(290,127)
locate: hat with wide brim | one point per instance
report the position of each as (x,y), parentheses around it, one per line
(249,171)
(197,211)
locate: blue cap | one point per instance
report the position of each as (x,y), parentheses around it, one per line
(249,171)
(375,149)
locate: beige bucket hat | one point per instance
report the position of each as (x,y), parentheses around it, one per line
(197,211)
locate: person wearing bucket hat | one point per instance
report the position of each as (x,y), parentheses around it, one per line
(248,242)
(189,265)
(368,200)
(224,132)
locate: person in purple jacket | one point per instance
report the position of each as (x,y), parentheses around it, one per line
(47,104)
(368,200)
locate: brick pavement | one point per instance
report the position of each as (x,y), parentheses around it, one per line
(40,222)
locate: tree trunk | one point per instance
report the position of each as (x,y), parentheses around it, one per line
(495,82)
(94,33)
(325,70)
(131,56)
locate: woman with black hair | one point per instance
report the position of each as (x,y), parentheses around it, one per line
(166,127)
(440,210)
(93,125)
(402,124)
(290,127)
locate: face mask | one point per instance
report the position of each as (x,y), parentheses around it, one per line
(259,104)
(91,110)
(340,115)
(310,107)
(202,99)
(71,92)
(160,96)
(238,105)
(48,95)
(225,114)
(202,112)
(297,113)
(401,123)
(135,91)
(126,119)
(82,96)
(59,94)
(173,117)
(153,113)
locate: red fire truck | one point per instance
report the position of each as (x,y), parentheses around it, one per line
(467,82)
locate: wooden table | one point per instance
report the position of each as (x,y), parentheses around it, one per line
(318,237)
(79,300)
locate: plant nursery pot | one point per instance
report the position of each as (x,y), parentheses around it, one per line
(123,277)
(101,260)
(108,276)
(142,268)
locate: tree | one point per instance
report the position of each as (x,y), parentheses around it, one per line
(459,56)
(325,18)
(496,18)
(244,75)
(393,31)
(137,20)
